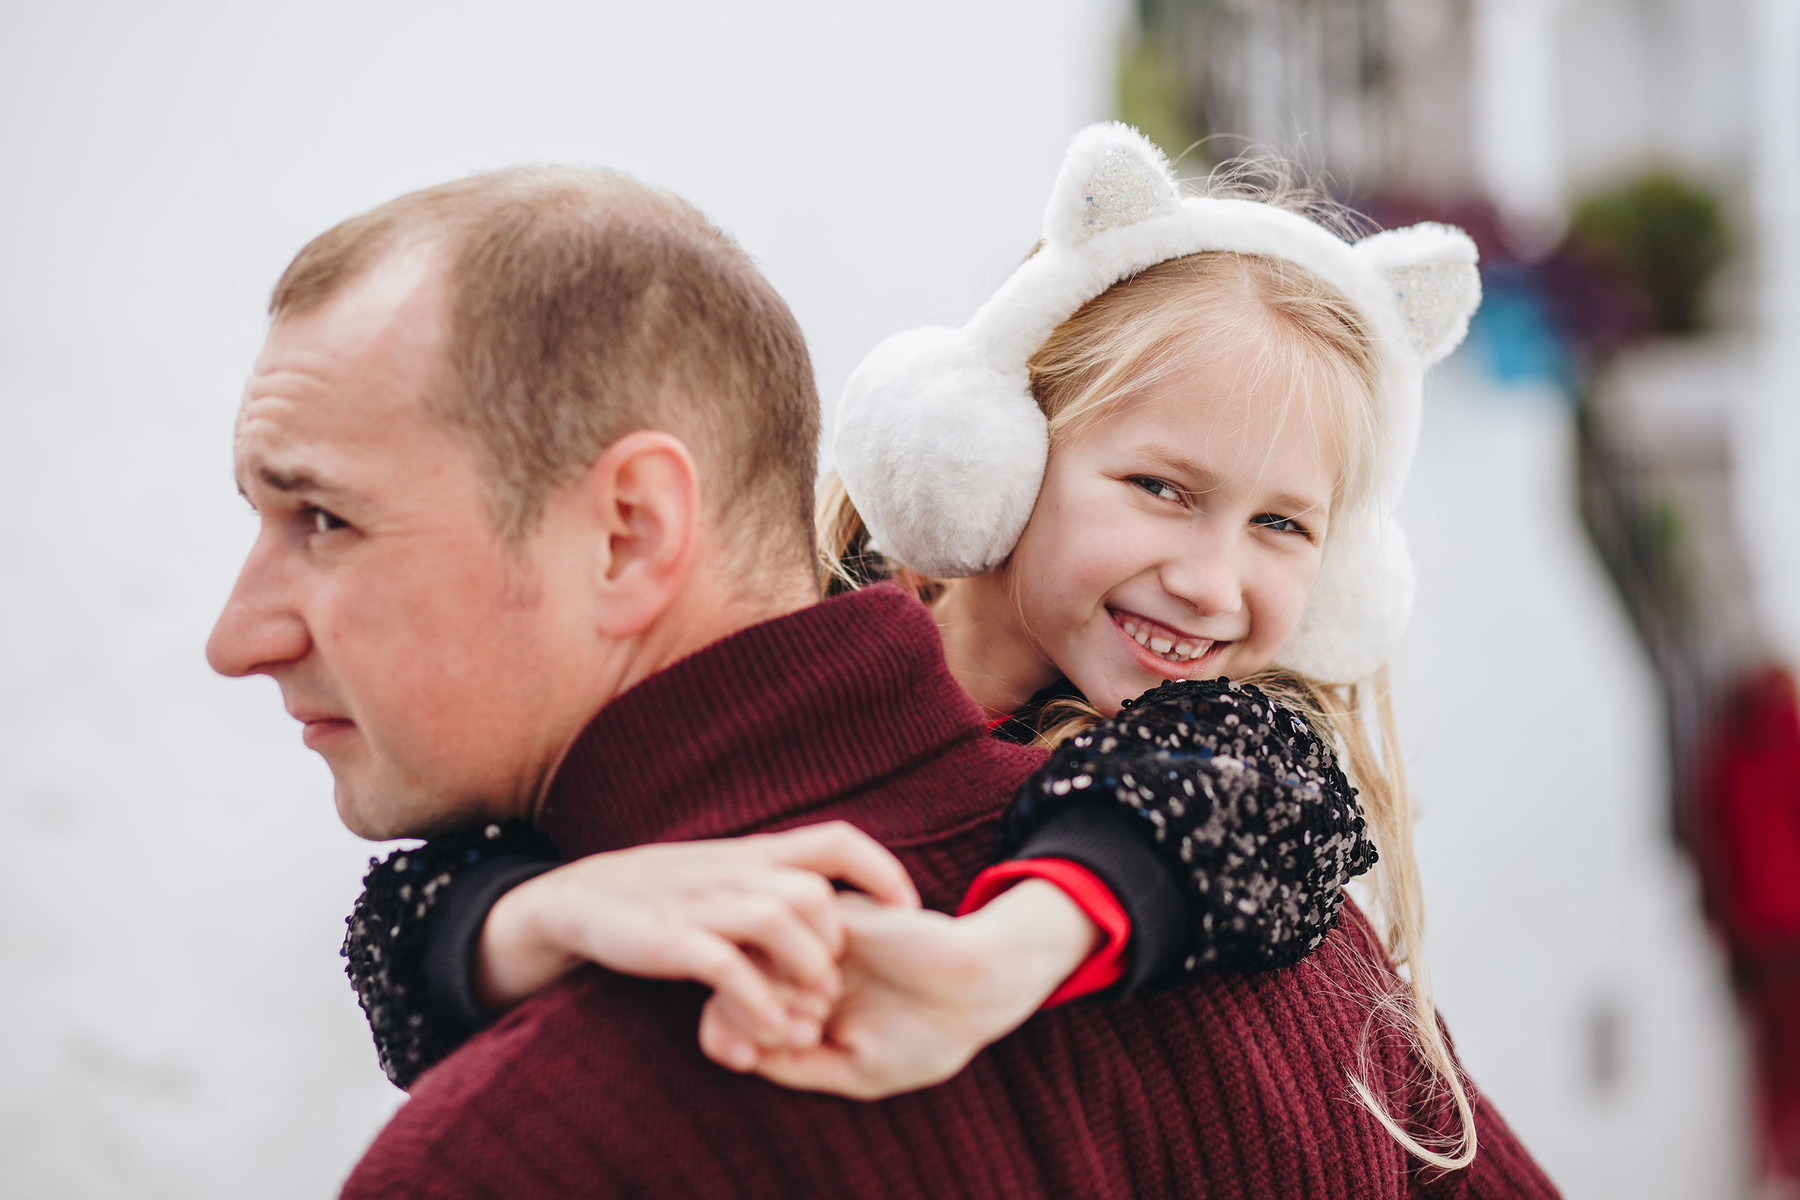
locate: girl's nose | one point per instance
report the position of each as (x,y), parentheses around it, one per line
(1206,573)
(260,629)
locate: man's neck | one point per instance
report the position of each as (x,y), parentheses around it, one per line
(791,716)
(709,610)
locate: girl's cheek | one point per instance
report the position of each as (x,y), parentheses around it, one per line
(1288,602)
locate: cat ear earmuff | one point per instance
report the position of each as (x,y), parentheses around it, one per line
(942,447)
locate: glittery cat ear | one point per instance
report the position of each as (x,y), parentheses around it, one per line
(1431,269)
(1112,176)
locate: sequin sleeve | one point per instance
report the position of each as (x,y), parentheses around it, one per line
(410,938)
(1240,802)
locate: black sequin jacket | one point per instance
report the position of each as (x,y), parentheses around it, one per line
(1220,821)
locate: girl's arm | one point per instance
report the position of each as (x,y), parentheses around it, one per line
(1214,831)
(754,918)
(1218,819)
(415,914)
(1204,796)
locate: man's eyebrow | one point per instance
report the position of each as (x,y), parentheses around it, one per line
(295,481)
(290,481)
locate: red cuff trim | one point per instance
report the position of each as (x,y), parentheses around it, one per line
(1106,965)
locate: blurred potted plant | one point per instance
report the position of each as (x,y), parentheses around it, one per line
(1662,236)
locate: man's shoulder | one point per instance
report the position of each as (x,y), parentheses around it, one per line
(1323,1002)
(481,1121)
(966,783)
(595,1087)
(1317,999)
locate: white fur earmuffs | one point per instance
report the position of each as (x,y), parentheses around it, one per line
(942,447)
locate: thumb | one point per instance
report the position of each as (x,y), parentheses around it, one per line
(824,1068)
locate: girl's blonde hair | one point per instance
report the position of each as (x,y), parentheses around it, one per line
(1286,321)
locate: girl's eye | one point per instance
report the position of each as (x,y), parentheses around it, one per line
(1162,489)
(320,521)
(1277,523)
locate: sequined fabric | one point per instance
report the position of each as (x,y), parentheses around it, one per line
(384,946)
(1242,798)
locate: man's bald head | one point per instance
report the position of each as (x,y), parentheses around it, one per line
(585,305)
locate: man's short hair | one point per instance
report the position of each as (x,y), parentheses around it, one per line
(586,305)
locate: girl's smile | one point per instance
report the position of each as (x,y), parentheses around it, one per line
(1163,645)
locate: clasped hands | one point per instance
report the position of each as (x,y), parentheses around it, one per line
(861,993)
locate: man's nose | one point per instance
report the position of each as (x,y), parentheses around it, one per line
(260,628)
(1206,571)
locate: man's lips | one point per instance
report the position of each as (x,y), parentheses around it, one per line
(319,729)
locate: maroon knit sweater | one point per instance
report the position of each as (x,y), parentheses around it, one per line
(1232,1086)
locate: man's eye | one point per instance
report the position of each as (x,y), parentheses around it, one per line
(1280,524)
(320,521)
(1162,489)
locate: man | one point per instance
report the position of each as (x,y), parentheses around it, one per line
(532,455)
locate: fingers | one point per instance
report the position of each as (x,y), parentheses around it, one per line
(839,850)
(820,1069)
(812,898)
(726,1040)
(793,947)
(725,1043)
(745,998)
(743,916)
(745,994)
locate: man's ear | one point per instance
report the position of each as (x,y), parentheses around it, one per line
(646,497)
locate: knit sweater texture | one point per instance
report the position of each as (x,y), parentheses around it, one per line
(1227,1086)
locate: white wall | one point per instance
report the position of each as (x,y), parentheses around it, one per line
(173,1016)
(1584,992)
(1570,94)
(1768,426)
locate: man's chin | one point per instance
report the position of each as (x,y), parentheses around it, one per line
(376,815)
(362,819)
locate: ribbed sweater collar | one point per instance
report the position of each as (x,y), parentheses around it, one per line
(781,723)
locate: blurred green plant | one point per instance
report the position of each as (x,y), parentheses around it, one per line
(1664,235)
(1151,96)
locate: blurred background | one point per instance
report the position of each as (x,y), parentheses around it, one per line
(1595,698)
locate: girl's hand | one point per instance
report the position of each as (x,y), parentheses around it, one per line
(923,993)
(754,918)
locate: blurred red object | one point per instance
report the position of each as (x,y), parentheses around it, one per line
(1747,840)
(1747,825)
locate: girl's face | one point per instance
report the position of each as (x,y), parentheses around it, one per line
(1178,533)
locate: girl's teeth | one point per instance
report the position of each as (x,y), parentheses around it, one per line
(1184,650)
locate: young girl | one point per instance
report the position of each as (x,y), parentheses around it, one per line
(1166,449)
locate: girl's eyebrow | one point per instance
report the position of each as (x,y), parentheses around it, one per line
(1206,479)
(1178,464)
